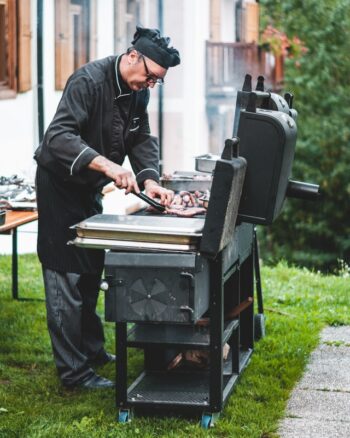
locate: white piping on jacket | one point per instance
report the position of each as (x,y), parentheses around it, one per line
(116,75)
(120,95)
(71,168)
(148,168)
(137,127)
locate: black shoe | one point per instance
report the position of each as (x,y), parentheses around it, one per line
(106,358)
(95,382)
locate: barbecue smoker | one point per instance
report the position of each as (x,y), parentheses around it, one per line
(187,284)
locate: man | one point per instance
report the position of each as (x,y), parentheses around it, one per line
(101,118)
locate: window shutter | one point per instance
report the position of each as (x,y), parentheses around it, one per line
(24,46)
(63,67)
(12,44)
(215,20)
(251,23)
(279,71)
(93,30)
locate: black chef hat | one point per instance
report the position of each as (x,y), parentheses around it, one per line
(150,43)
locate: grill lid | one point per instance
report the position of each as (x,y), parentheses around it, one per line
(224,199)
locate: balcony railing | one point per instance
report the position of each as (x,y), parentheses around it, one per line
(228,63)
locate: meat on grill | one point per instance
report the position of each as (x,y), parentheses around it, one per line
(186,212)
(186,204)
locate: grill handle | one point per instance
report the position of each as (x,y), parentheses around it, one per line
(189,277)
(108,282)
(302,190)
(231,149)
(187,309)
(104,286)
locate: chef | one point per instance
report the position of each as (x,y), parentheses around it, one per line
(101,118)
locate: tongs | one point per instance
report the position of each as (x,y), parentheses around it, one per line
(150,201)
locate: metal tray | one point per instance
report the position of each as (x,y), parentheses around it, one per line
(158,229)
(206,163)
(187,181)
(144,224)
(126,245)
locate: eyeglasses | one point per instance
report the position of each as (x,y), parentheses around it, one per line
(151,77)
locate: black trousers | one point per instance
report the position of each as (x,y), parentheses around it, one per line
(75,329)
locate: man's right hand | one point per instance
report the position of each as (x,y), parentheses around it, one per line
(122,177)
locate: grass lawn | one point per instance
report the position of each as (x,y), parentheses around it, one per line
(298,303)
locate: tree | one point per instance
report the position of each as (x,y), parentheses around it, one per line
(307,233)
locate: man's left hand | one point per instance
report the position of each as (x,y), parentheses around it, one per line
(154,190)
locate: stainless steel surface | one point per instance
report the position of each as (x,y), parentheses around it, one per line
(187,174)
(139,237)
(206,163)
(126,245)
(179,185)
(187,181)
(174,226)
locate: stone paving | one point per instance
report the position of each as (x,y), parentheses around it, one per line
(319,406)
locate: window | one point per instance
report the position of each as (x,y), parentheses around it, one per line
(128,14)
(24,35)
(251,22)
(75,42)
(15,47)
(215,20)
(247,21)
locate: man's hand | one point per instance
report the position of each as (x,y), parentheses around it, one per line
(122,178)
(154,190)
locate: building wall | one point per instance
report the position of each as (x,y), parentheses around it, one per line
(105,28)
(187,23)
(228,30)
(185,129)
(18,126)
(185,121)
(19,131)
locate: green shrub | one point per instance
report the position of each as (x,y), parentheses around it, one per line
(316,234)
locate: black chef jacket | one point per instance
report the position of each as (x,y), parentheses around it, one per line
(97,115)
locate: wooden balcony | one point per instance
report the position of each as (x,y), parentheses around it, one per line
(228,63)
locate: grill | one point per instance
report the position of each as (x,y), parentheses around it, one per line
(188,283)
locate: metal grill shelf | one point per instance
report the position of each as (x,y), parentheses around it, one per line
(182,388)
(195,336)
(173,389)
(244,358)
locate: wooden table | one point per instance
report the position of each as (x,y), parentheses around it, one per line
(14,219)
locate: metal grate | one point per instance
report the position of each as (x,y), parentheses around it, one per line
(244,358)
(172,388)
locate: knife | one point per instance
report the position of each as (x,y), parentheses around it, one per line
(150,201)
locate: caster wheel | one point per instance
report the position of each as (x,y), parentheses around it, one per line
(259,326)
(123,416)
(206,421)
